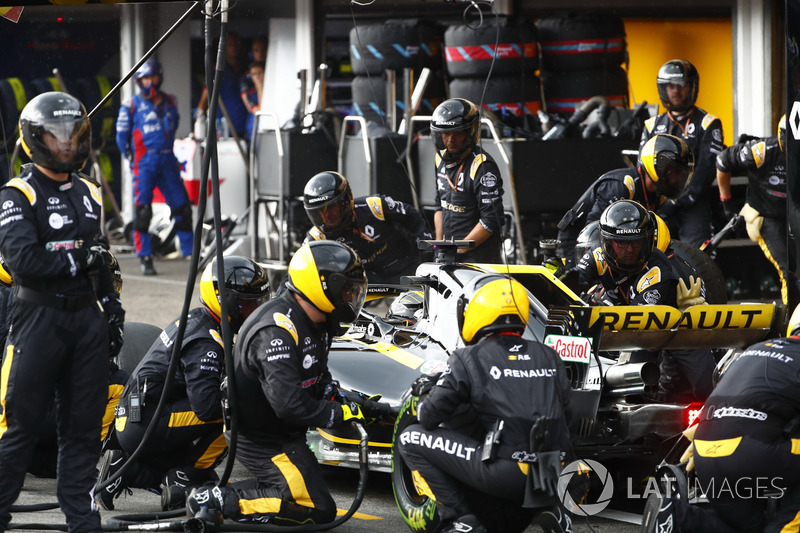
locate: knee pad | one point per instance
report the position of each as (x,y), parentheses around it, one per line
(141,219)
(183,217)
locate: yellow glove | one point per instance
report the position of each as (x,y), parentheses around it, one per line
(351,412)
(688,454)
(690,295)
(753,221)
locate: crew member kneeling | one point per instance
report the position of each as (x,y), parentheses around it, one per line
(282,385)
(493,377)
(186,442)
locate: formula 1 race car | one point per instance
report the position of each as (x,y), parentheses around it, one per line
(614,417)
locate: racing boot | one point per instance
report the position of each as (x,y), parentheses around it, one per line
(468,523)
(659,514)
(147,265)
(173,489)
(111,462)
(555,520)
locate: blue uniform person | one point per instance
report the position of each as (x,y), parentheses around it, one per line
(59,344)
(146,127)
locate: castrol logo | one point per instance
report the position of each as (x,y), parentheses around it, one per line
(575,349)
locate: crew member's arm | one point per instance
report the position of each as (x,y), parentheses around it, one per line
(711,144)
(437,223)
(203,364)
(451,391)
(488,188)
(406,217)
(273,355)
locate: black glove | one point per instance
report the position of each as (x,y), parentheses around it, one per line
(89,256)
(668,209)
(728,209)
(370,405)
(423,384)
(116,333)
(351,412)
(331,391)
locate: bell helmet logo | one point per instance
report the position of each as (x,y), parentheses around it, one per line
(585,467)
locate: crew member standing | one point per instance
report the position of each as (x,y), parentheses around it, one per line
(469,188)
(678,85)
(59,344)
(146,127)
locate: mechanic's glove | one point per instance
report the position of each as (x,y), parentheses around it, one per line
(668,209)
(688,454)
(116,333)
(88,257)
(728,208)
(370,405)
(331,391)
(753,222)
(351,412)
(554,265)
(423,384)
(690,295)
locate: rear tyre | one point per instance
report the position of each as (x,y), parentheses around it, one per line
(138,339)
(706,268)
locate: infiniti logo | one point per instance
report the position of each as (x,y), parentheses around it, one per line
(8,204)
(53,200)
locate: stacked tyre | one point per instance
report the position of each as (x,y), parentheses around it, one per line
(394,45)
(496,65)
(583,56)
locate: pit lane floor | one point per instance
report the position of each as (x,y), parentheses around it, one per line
(158,300)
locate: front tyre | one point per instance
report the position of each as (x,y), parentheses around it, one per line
(418,510)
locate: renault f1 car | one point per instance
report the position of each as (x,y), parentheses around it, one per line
(613,416)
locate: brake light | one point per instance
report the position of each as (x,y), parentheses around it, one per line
(692,413)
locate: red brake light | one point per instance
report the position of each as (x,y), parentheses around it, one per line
(692,413)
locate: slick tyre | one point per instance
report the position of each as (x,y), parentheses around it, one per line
(468,50)
(706,268)
(586,41)
(418,510)
(395,45)
(138,339)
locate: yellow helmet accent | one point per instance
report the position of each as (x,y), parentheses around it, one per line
(246,287)
(305,277)
(329,275)
(794,323)
(669,162)
(497,303)
(662,236)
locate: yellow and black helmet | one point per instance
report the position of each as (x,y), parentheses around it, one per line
(782,133)
(627,236)
(328,201)
(329,276)
(491,303)
(246,287)
(404,308)
(588,240)
(669,162)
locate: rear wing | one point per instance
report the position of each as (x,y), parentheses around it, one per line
(661,327)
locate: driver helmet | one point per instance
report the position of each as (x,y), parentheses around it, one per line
(669,162)
(55,132)
(627,236)
(491,303)
(328,201)
(782,133)
(678,72)
(588,240)
(246,288)
(329,276)
(452,116)
(405,307)
(151,67)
